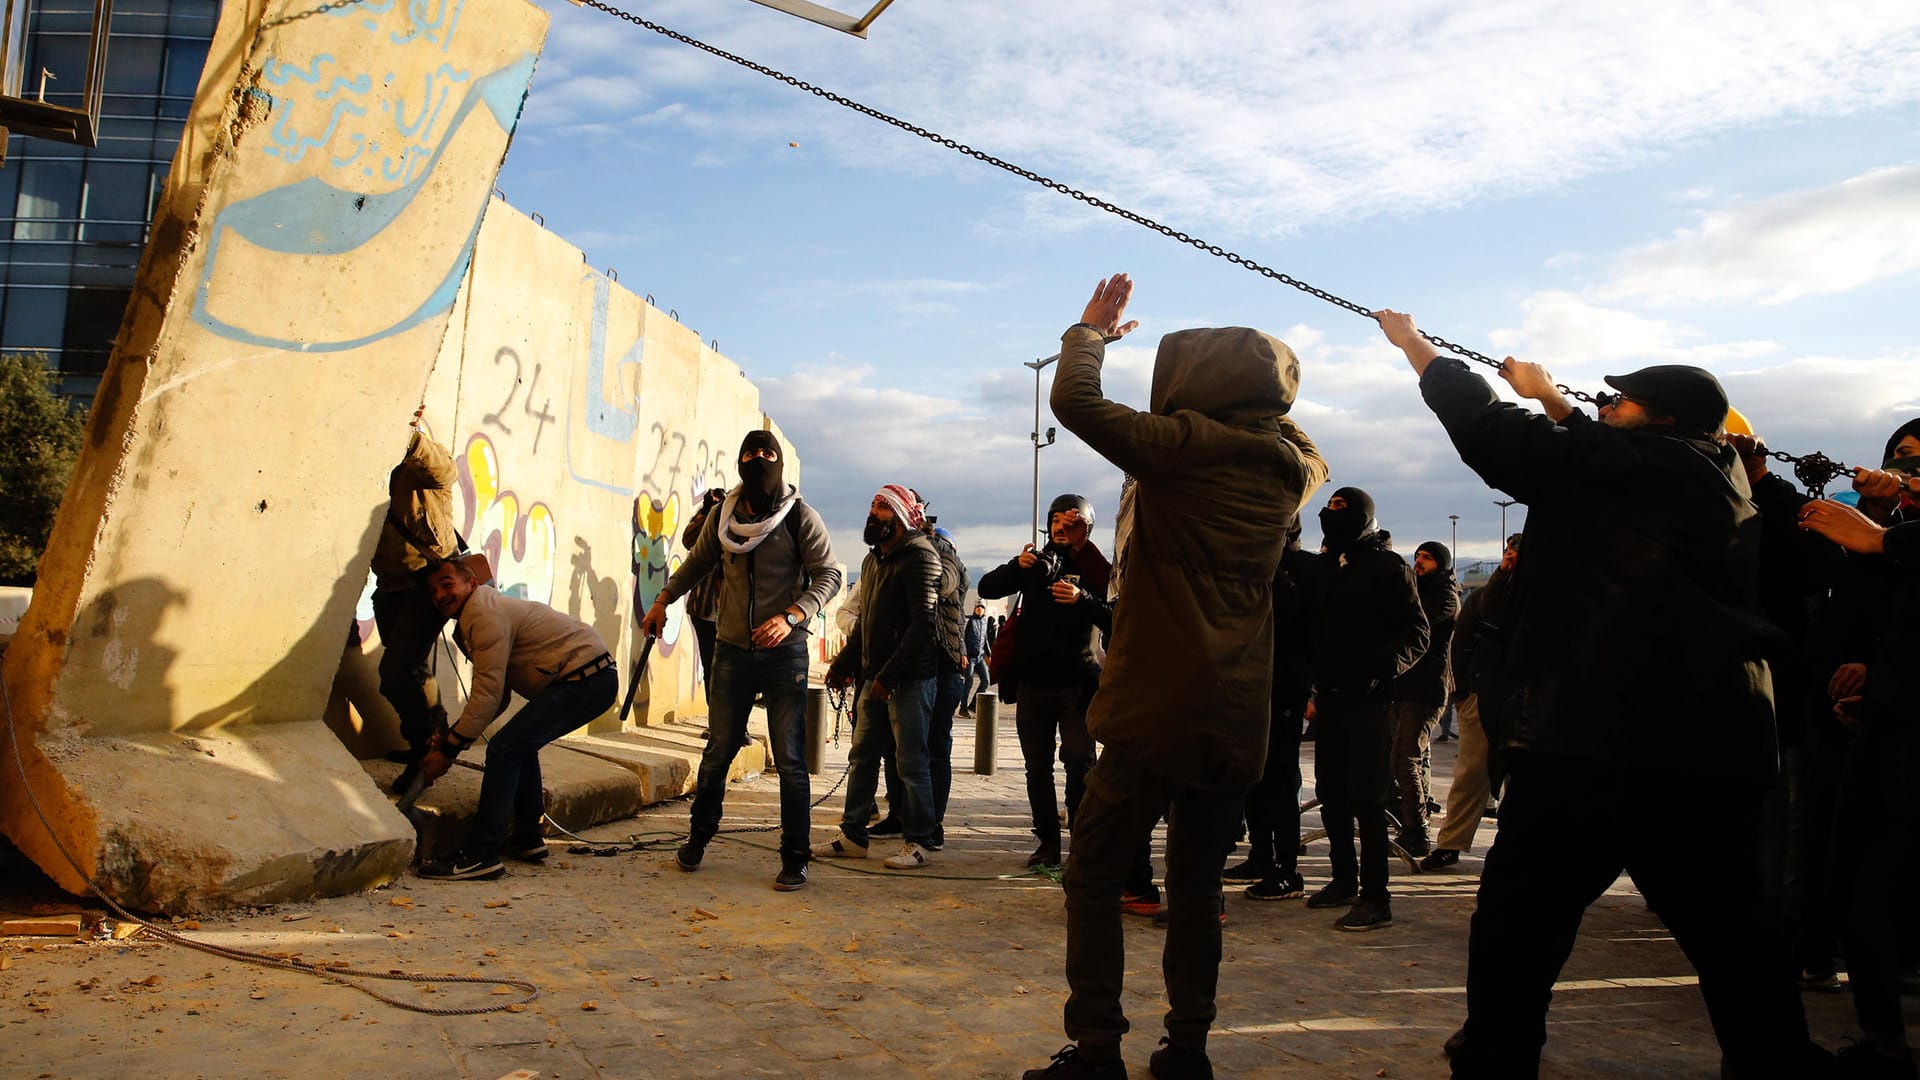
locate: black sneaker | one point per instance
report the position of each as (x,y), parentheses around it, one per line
(689,856)
(792,877)
(1277,887)
(1044,855)
(1172,1062)
(1859,1058)
(1070,1064)
(1335,894)
(1440,861)
(886,826)
(1366,915)
(1492,812)
(1249,871)
(534,850)
(463,867)
(939,839)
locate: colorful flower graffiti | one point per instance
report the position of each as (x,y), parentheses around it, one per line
(656,525)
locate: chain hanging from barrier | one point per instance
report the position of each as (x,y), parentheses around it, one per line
(1806,466)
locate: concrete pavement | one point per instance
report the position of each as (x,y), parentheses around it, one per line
(953,971)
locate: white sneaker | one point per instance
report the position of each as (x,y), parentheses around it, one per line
(911,857)
(840,848)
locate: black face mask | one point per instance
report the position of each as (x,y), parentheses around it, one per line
(1342,527)
(877,532)
(762,482)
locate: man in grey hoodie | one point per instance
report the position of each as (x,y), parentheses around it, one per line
(779,572)
(1182,709)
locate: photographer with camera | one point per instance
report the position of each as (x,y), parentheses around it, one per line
(1063,589)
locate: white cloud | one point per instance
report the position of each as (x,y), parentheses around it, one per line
(1253,117)
(1773,250)
(1570,334)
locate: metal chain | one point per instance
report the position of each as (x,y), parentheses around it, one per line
(1806,467)
(1049,183)
(1815,471)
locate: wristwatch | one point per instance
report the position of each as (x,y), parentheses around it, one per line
(792,619)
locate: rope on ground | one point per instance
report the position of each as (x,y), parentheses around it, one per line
(344,976)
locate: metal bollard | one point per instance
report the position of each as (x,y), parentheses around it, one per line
(817,724)
(986,728)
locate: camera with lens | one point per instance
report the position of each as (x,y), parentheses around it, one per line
(1052,562)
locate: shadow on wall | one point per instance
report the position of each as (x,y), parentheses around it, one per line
(585,587)
(316,650)
(127,617)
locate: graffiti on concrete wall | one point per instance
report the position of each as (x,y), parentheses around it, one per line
(656,531)
(364,148)
(520,541)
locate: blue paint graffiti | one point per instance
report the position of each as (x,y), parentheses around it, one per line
(312,217)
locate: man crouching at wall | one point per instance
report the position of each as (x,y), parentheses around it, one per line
(1182,709)
(550,658)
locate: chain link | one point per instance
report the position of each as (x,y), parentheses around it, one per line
(1805,466)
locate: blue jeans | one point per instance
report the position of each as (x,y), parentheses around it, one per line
(780,675)
(902,721)
(511,797)
(977,678)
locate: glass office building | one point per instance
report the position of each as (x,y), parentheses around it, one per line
(73,221)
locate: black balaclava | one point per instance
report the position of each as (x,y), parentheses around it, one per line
(762,482)
(1341,528)
(1911,427)
(1442,555)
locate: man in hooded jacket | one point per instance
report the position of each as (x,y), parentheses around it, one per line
(778,567)
(1420,694)
(1656,698)
(1371,630)
(1182,709)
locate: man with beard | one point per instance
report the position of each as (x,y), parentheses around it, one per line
(778,572)
(1420,694)
(1181,712)
(1063,590)
(890,652)
(1637,647)
(1371,630)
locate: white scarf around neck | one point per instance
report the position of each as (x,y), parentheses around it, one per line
(750,533)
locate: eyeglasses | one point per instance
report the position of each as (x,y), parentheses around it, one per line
(1609,400)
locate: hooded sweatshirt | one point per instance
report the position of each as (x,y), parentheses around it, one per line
(1219,471)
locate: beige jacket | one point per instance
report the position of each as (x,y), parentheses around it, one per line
(518,646)
(419,525)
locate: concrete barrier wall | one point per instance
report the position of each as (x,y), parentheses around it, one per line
(168,680)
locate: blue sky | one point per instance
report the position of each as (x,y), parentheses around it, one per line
(1594,187)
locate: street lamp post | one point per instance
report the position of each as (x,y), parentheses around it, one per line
(1455,518)
(1503,504)
(1038,366)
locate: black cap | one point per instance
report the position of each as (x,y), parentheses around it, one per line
(1691,395)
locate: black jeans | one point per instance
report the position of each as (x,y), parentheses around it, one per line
(512,797)
(1044,709)
(1123,801)
(409,628)
(1873,862)
(1273,806)
(1691,844)
(778,676)
(1354,779)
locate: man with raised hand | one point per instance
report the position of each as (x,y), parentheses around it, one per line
(1182,709)
(1637,644)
